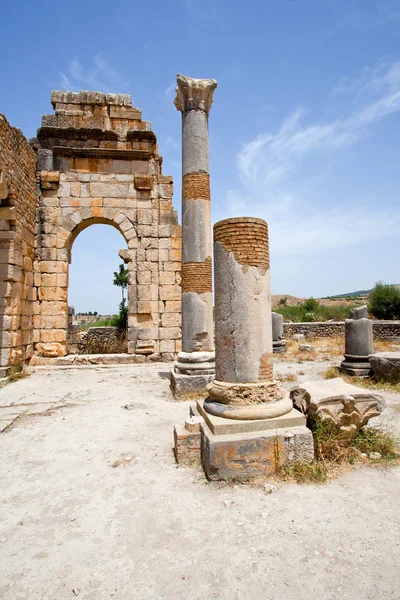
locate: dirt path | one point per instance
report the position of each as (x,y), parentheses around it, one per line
(72,524)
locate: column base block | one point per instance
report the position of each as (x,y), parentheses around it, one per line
(247,456)
(279,346)
(358,369)
(189,387)
(223,426)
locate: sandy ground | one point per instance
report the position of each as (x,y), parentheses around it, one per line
(72,524)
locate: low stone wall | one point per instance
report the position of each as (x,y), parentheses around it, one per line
(383,330)
(99,340)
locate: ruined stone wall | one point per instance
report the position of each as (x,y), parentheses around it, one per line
(98,340)
(99,163)
(18,206)
(382,330)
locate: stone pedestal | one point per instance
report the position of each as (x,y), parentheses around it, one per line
(250,425)
(191,374)
(193,100)
(358,347)
(278,343)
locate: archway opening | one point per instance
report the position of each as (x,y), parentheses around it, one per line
(97,291)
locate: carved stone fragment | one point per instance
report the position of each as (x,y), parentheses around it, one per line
(346,406)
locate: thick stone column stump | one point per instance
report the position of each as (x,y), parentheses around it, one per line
(358,346)
(193,100)
(251,427)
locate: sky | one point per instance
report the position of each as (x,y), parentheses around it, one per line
(304,128)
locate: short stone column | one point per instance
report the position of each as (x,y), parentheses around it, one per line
(358,337)
(359,312)
(278,343)
(244,387)
(195,366)
(250,425)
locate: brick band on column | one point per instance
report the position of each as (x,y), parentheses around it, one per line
(196,277)
(196,186)
(247,238)
(266,372)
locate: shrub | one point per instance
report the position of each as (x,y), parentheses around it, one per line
(384,301)
(121,319)
(310,305)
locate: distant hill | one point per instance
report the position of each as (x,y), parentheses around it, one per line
(351,294)
(358,293)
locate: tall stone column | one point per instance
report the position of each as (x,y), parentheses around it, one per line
(250,428)
(195,366)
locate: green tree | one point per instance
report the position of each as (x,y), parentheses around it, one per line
(384,301)
(121,279)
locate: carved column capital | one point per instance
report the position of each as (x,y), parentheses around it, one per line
(194,94)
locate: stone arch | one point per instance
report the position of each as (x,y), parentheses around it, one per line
(98,163)
(72,225)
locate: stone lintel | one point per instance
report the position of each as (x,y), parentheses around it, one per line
(87,97)
(194,94)
(102,153)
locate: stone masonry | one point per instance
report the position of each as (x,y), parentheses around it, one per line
(18,206)
(98,162)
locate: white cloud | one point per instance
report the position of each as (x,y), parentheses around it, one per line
(101,76)
(282,172)
(169,89)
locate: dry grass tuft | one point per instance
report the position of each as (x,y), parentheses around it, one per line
(334,453)
(366,382)
(288,377)
(15,373)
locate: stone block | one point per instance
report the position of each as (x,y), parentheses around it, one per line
(53,294)
(185,387)
(386,366)
(187,446)
(167,346)
(50,349)
(306,348)
(53,335)
(246,456)
(171,320)
(172,333)
(170,292)
(172,306)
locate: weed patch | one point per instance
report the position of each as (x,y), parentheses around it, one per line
(334,453)
(16,373)
(365,382)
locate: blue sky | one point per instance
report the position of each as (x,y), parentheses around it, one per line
(304,129)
